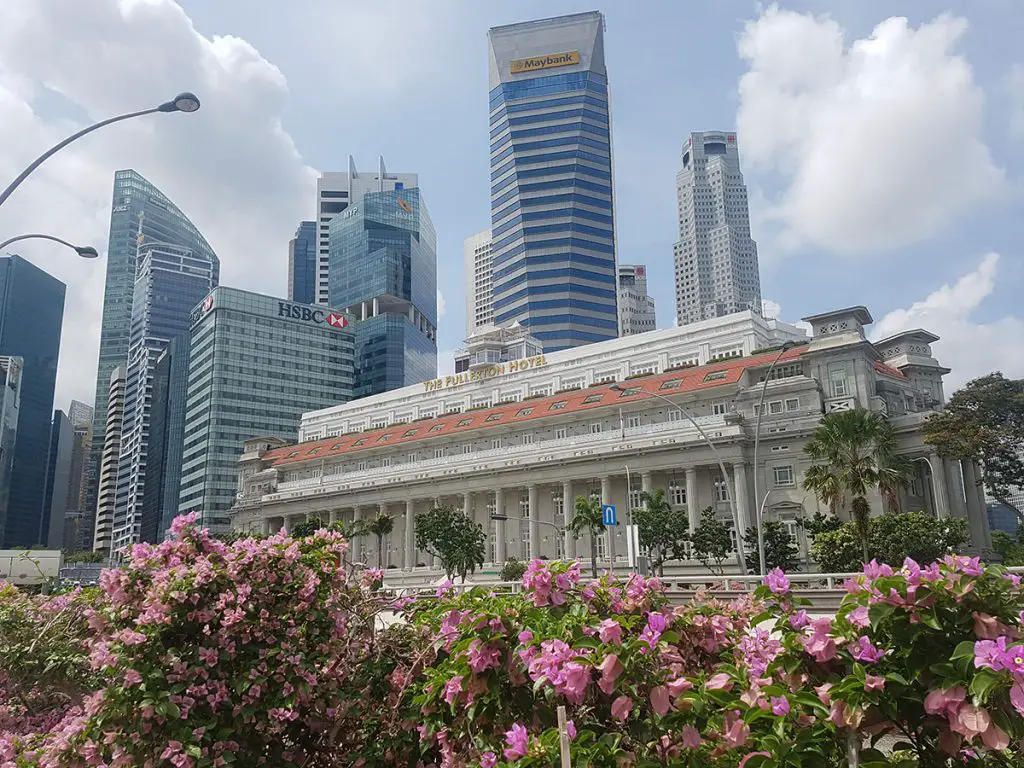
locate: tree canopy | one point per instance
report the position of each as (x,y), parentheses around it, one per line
(662,529)
(458,542)
(711,542)
(587,518)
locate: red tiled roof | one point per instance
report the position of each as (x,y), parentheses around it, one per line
(887,370)
(669,383)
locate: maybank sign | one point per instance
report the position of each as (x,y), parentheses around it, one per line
(552,60)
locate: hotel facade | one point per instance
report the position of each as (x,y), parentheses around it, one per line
(667,410)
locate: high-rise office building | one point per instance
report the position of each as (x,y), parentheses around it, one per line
(139,211)
(166,440)
(552,217)
(31,315)
(257,364)
(10,401)
(302,264)
(78,521)
(715,258)
(171,281)
(57,495)
(81,414)
(476,256)
(384,271)
(636,307)
(335,191)
(103,531)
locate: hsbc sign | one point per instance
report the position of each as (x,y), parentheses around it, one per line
(311,315)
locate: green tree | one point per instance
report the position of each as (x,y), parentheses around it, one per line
(513,570)
(854,452)
(382,525)
(662,529)
(446,533)
(587,518)
(84,556)
(984,422)
(1009,547)
(711,542)
(306,528)
(779,551)
(893,537)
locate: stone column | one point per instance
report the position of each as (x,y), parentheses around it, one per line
(982,504)
(532,495)
(467,505)
(286,524)
(739,471)
(940,486)
(499,528)
(410,538)
(357,541)
(606,498)
(645,482)
(977,515)
(957,497)
(692,503)
(267,528)
(567,511)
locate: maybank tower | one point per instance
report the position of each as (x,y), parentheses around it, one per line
(552,219)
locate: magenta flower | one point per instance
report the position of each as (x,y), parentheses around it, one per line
(719,682)
(735,732)
(859,617)
(780,706)
(799,620)
(488,760)
(874,570)
(518,740)
(525,636)
(656,624)
(691,737)
(863,650)
(819,643)
(991,654)
(444,588)
(621,707)
(610,632)
(659,699)
(777,581)
(610,669)
(570,730)
(132,677)
(452,689)
(1017,698)
(482,656)
(874,683)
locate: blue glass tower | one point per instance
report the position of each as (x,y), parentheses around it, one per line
(302,264)
(383,270)
(31,314)
(552,218)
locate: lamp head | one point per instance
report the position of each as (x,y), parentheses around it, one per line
(787,345)
(87,252)
(183,102)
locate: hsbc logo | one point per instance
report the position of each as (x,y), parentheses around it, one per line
(208,303)
(311,315)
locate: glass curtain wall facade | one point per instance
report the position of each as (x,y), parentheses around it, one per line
(139,213)
(171,281)
(31,315)
(302,264)
(10,401)
(552,217)
(257,363)
(383,270)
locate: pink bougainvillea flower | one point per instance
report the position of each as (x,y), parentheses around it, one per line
(734,731)
(780,706)
(659,699)
(777,581)
(970,566)
(819,643)
(679,686)
(749,755)
(691,737)
(864,651)
(874,570)
(991,654)
(719,682)
(1017,698)
(518,740)
(452,689)
(525,636)
(132,677)
(799,620)
(824,694)
(859,617)
(985,626)
(610,632)
(488,760)
(995,738)
(610,669)
(970,721)
(874,683)
(444,588)
(943,700)
(570,730)
(621,707)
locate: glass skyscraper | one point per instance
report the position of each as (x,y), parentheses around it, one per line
(31,315)
(302,264)
(10,401)
(257,363)
(171,281)
(383,269)
(552,217)
(139,211)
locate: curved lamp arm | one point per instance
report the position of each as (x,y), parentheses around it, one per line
(183,102)
(85,251)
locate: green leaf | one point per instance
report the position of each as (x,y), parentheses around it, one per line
(982,685)
(896,677)
(964,650)
(879,612)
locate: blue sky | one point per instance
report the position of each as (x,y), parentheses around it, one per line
(883,158)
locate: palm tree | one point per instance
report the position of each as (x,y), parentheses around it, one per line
(854,452)
(380,527)
(587,518)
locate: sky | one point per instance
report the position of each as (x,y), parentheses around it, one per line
(884,154)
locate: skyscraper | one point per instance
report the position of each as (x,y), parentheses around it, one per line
(58,481)
(715,258)
(302,267)
(335,191)
(139,211)
(636,307)
(10,402)
(384,270)
(552,215)
(31,315)
(476,255)
(103,533)
(257,364)
(171,281)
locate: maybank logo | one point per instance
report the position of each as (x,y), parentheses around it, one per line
(550,61)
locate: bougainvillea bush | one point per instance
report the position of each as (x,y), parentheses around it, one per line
(275,652)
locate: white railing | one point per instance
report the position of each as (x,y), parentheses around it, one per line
(534,452)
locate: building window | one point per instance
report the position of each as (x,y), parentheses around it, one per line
(494,417)
(561,433)
(837,382)
(411,458)
(721,489)
(671,384)
(677,495)
(595,429)
(719,409)
(386,461)
(793,404)
(467,448)
(716,376)
(783,476)
(384,438)
(464,422)
(791,528)
(773,430)
(524,524)
(633,422)
(436,428)
(496,443)
(361,466)
(629,391)
(439,452)
(527,438)
(592,399)
(410,432)
(675,415)
(775,406)
(557,406)
(524,412)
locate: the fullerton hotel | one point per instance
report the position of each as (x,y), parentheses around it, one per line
(522,439)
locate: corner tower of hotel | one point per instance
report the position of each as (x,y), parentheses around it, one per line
(552,214)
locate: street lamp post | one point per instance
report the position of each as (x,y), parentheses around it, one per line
(730,492)
(183,102)
(757,440)
(558,529)
(85,251)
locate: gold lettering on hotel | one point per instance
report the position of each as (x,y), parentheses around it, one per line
(490,372)
(549,61)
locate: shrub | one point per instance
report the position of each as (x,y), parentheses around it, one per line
(892,538)
(513,569)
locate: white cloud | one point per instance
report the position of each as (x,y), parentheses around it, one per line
(230,166)
(441,305)
(879,140)
(445,362)
(969,347)
(1013,85)
(771,309)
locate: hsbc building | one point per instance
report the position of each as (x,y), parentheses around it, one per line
(257,363)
